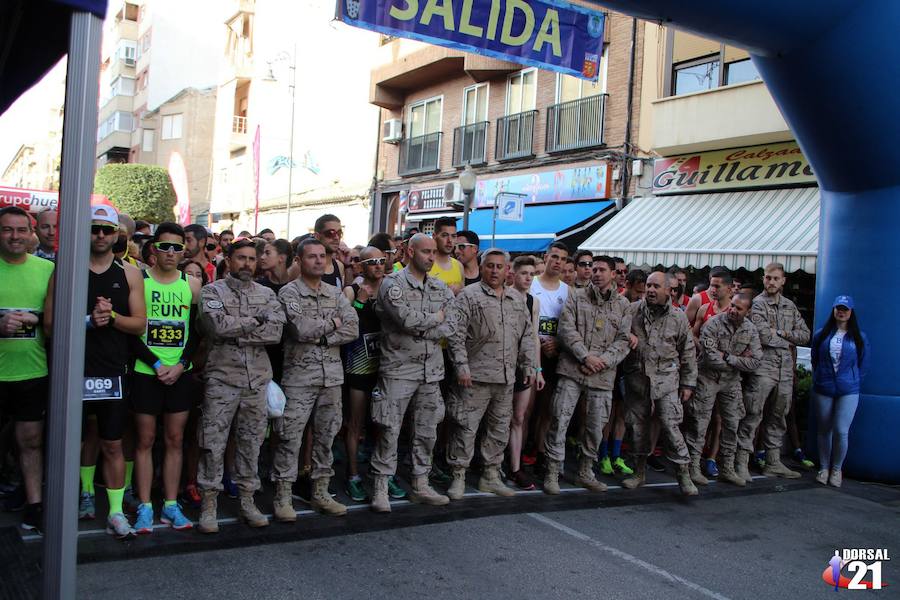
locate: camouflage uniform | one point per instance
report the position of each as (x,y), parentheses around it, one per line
(493,334)
(241,318)
(313,374)
(412,367)
(589,325)
(780,326)
(719,380)
(663,362)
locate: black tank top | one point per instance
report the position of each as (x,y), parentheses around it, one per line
(106,351)
(529,302)
(334,278)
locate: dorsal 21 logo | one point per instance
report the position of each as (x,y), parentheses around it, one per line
(860,562)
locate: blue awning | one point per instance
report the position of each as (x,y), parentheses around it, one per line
(543,224)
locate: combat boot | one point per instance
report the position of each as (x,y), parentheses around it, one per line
(586,477)
(423,493)
(684,481)
(323,502)
(209,522)
(457,488)
(775,467)
(727,472)
(551,478)
(640,474)
(695,472)
(380,502)
(250,513)
(490,482)
(283,503)
(740,465)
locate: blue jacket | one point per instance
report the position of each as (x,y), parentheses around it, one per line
(849,374)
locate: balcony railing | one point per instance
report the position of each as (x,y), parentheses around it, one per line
(470,144)
(515,136)
(576,124)
(238,124)
(420,154)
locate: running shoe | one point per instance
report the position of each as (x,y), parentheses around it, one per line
(758,460)
(655,463)
(16,500)
(395,491)
(529,459)
(86,508)
(32,519)
(439,476)
(144,521)
(117,525)
(130,502)
(174,518)
(522,480)
(800,457)
(356,491)
(191,496)
(712,469)
(231,487)
(606,466)
(621,468)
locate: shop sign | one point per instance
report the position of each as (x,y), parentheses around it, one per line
(573,184)
(426,199)
(736,168)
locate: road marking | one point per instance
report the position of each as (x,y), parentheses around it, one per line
(628,557)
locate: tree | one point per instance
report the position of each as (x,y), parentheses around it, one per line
(144,192)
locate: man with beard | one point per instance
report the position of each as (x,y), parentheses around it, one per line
(241,318)
(621,274)
(195,237)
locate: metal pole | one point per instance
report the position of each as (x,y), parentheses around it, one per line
(494,221)
(467,206)
(63,438)
(291,151)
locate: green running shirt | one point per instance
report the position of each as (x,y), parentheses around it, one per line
(23,288)
(168,316)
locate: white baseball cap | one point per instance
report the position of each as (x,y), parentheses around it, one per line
(104,213)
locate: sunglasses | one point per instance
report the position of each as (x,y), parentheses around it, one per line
(354,259)
(211,247)
(585,264)
(373,261)
(332,233)
(464,245)
(104,229)
(168,246)
(394,251)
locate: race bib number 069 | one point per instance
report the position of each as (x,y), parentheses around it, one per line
(102,388)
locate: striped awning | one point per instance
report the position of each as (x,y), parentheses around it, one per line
(737,230)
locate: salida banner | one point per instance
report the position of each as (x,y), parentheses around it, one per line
(737,168)
(550,34)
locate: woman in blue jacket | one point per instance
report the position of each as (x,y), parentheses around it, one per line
(840,354)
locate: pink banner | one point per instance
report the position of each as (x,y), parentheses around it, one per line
(256,180)
(178,175)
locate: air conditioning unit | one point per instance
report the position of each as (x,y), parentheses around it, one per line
(453,196)
(392,131)
(129,61)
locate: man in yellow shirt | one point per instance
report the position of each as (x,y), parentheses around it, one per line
(446,268)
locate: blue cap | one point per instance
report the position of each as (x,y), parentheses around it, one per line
(843,301)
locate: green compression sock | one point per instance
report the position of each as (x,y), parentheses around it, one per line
(169,503)
(87,479)
(115,500)
(129,469)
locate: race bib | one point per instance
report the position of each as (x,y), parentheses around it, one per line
(372,342)
(548,326)
(25,332)
(165,334)
(102,388)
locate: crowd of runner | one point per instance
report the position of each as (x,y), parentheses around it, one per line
(426,350)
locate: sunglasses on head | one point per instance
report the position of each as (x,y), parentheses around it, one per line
(105,229)
(373,261)
(212,246)
(332,233)
(585,263)
(169,246)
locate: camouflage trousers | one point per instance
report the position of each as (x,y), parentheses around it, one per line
(771,414)
(323,405)
(485,404)
(220,404)
(711,392)
(667,408)
(565,398)
(390,401)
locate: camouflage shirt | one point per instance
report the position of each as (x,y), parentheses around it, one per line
(312,347)
(726,350)
(780,325)
(665,352)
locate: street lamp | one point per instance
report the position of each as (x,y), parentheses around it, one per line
(283,56)
(467,181)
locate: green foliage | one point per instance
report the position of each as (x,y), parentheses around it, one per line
(804,384)
(144,192)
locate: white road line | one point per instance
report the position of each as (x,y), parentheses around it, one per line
(628,557)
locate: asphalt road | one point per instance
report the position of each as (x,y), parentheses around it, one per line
(772,545)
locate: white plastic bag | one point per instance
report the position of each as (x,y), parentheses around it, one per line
(275,400)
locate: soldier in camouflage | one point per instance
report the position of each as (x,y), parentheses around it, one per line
(493,335)
(780,328)
(319,321)
(415,315)
(593,335)
(660,376)
(729,346)
(240,317)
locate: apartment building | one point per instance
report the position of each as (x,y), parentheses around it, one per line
(567,144)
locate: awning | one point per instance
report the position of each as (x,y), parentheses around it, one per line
(737,230)
(542,225)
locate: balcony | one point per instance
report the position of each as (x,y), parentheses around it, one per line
(420,154)
(515,136)
(741,114)
(576,124)
(470,144)
(114,104)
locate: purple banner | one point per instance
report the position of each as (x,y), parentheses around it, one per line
(550,34)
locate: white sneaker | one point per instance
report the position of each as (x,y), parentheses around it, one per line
(117,525)
(822,476)
(834,480)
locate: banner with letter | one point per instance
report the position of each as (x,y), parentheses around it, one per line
(588,181)
(550,34)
